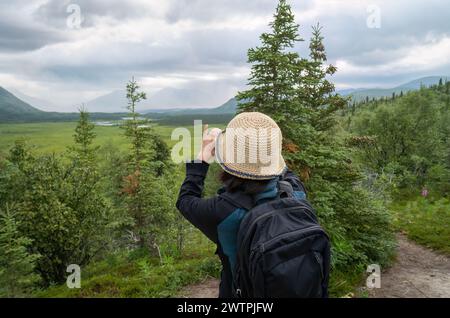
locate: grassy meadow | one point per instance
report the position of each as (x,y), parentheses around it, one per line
(55,137)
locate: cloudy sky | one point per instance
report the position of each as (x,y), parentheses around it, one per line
(201,45)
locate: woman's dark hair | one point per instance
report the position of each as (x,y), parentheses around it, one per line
(233,184)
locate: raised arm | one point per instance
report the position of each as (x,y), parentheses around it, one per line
(200,212)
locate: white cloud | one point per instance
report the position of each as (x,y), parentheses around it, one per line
(202,43)
(422,57)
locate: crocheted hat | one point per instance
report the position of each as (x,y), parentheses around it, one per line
(250,147)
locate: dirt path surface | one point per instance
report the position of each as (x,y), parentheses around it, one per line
(418,273)
(206,289)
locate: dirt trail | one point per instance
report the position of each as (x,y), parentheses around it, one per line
(206,289)
(418,272)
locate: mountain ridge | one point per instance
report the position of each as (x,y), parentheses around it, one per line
(12,108)
(360,94)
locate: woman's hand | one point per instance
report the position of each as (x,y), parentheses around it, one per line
(207,152)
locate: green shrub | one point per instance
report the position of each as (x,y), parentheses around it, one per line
(425,221)
(136,274)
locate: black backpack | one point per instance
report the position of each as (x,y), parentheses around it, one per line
(282,251)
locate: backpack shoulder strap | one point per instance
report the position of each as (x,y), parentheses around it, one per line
(239,199)
(285,189)
(247,202)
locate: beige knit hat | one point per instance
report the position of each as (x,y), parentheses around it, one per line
(250,147)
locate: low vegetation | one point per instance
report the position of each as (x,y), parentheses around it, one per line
(406,153)
(136,273)
(426,221)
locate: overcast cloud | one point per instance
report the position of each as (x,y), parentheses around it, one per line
(202,44)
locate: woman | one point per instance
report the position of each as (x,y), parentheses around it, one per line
(250,178)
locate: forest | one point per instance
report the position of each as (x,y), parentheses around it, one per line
(371,168)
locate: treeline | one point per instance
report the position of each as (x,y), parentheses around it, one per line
(73,208)
(188,119)
(406,143)
(40,117)
(160,118)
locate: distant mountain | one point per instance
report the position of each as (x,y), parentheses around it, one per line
(424,81)
(13,108)
(229,107)
(165,104)
(361,94)
(115,101)
(171,101)
(165,100)
(35,102)
(357,94)
(169,98)
(347,91)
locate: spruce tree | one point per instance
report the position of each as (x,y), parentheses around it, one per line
(60,205)
(147,195)
(84,137)
(315,91)
(17,276)
(137,129)
(304,104)
(85,198)
(274,65)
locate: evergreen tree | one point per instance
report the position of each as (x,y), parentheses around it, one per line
(137,129)
(306,108)
(84,137)
(274,68)
(161,155)
(146,193)
(316,92)
(60,205)
(20,154)
(85,199)
(17,276)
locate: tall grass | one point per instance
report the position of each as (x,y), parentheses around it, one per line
(426,221)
